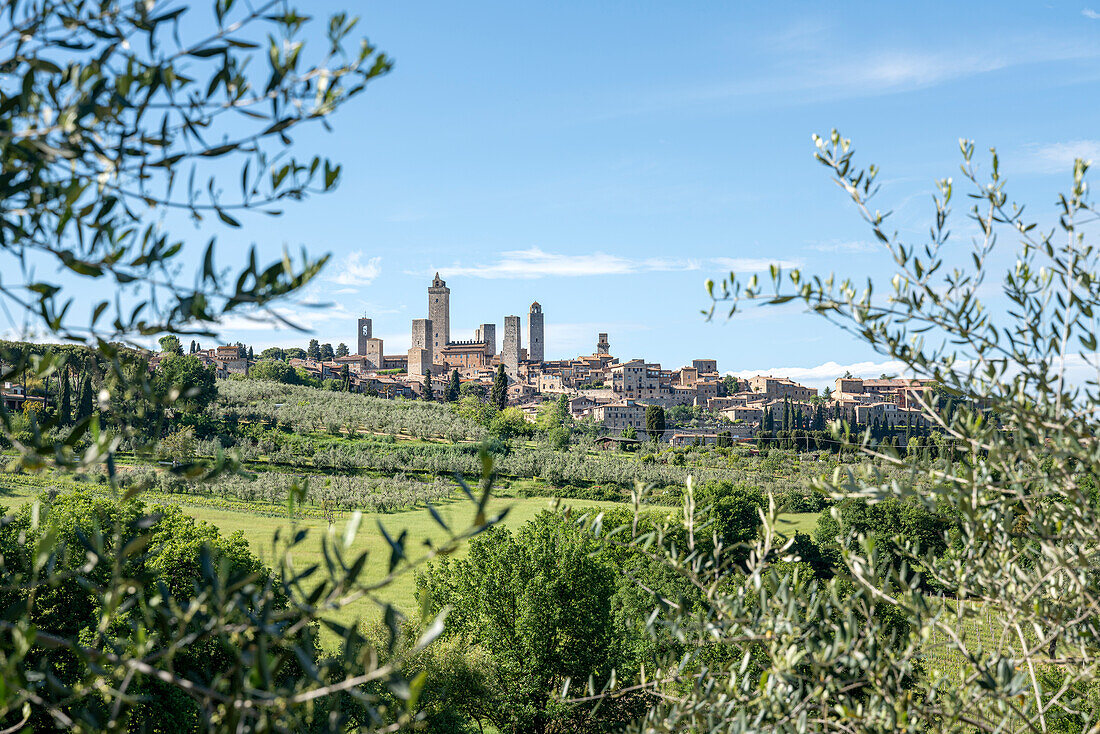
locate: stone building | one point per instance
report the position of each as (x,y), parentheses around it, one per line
(422,336)
(465,355)
(420,362)
(439,312)
(510,351)
(535,333)
(780,387)
(487,334)
(365,333)
(603,347)
(618,416)
(421,353)
(369,348)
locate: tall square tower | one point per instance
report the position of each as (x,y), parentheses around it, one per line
(509,354)
(439,313)
(535,333)
(365,334)
(488,333)
(423,332)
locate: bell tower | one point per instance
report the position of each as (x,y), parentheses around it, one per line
(439,313)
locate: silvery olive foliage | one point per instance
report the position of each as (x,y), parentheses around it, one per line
(998,633)
(116,117)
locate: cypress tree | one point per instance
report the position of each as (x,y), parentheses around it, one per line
(64,409)
(84,404)
(452,387)
(500,389)
(428,394)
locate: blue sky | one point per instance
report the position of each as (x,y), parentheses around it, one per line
(607,158)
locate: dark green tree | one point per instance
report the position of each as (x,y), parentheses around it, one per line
(327,352)
(341,350)
(193,379)
(500,389)
(274,353)
(539,604)
(86,400)
(170,344)
(64,408)
(345,378)
(427,393)
(314,350)
(472,389)
(454,385)
(275,370)
(654,422)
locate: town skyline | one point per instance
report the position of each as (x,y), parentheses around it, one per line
(609,187)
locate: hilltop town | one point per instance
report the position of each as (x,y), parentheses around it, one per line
(611,391)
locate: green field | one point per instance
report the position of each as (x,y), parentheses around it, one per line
(260,529)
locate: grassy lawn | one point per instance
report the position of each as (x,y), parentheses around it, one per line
(259,530)
(800,522)
(419,524)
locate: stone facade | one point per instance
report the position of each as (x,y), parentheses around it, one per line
(603,346)
(464,355)
(372,353)
(487,333)
(535,334)
(510,352)
(423,338)
(365,333)
(420,362)
(439,312)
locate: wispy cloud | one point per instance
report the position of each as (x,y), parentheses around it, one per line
(537,263)
(1091,14)
(806,68)
(1055,157)
(752,264)
(826,373)
(353,271)
(843,247)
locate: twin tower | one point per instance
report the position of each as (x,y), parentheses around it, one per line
(432,345)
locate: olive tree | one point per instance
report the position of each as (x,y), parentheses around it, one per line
(1010,640)
(115,115)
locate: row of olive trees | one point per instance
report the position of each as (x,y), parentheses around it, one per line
(305,408)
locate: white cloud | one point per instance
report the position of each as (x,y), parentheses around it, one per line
(825,374)
(352,271)
(752,264)
(806,68)
(537,263)
(1056,157)
(845,247)
(1091,14)
(307,315)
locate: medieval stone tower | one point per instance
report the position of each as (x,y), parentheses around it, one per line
(602,346)
(439,313)
(365,333)
(509,354)
(423,331)
(535,333)
(487,333)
